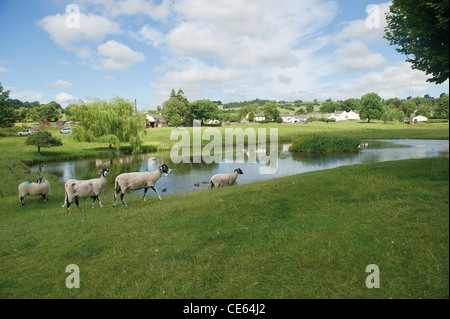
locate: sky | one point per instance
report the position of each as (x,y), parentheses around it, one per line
(222,50)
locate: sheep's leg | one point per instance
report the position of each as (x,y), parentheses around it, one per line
(21,200)
(78,203)
(68,206)
(99,201)
(145,192)
(123,201)
(156,191)
(94,197)
(45,198)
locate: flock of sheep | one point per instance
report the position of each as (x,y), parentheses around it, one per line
(124,183)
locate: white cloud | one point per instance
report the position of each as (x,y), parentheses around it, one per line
(370,29)
(150,36)
(392,81)
(355,56)
(24,94)
(108,77)
(93,28)
(118,56)
(63,98)
(193,77)
(60,83)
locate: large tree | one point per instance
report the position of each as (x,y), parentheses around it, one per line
(271,111)
(177,106)
(420,30)
(7,113)
(371,107)
(204,110)
(111,121)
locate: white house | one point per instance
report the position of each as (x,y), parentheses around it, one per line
(287,118)
(353,115)
(257,118)
(339,116)
(419,118)
(155,120)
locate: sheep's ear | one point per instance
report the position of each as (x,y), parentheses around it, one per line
(99,172)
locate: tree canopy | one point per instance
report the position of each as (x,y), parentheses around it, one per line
(7,114)
(371,107)
(112,122)
(420,30)
(42,139)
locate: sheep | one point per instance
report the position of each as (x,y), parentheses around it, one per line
(128,182)
(41,187)
(224,179)
(82,189)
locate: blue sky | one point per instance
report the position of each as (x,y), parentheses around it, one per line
(219,50)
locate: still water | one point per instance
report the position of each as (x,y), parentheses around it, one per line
(190,177)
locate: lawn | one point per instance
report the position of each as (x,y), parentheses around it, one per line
(304,236)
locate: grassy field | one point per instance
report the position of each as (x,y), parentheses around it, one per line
(304,236)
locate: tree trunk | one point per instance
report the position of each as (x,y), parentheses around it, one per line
(39,150)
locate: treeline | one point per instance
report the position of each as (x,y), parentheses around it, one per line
(13,110)
(393,109)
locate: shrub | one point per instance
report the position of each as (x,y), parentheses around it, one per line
(325,144)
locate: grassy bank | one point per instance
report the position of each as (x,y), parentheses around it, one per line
(304,236)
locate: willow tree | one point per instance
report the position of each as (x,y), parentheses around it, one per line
(112,122)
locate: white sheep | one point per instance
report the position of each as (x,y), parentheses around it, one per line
(224,179)
(82,189)
(128,182)
(41,187)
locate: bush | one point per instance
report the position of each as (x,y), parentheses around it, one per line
(325,144)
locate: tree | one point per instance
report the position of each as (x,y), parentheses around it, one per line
(177,105)
(7,112)
(420,30)
(42,139)
(251,116)
(329,107)
(112,122)
(271,112)
(371,107)
(204,110)
(442,108)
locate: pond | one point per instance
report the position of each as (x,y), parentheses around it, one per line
(191,177)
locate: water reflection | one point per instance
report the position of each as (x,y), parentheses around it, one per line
(188,177)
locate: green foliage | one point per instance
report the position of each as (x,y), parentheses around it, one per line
(42,139)
(177,105)
(442,108)
(251,116)
(7,113)
(325,144)
(204,110)
(371,107)
(420,30)
(112,122)
(271,112)
(330,107)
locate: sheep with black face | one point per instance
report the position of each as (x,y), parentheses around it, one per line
(76,189)
(224,179)
(128,182)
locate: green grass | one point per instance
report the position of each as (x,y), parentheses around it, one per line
(325,144)
(304,236)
